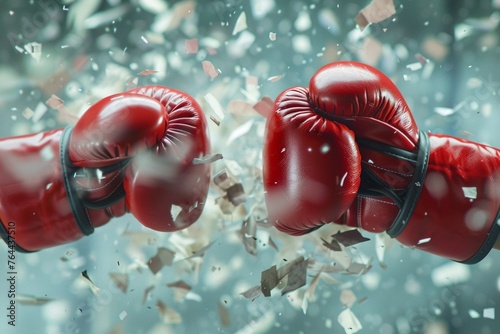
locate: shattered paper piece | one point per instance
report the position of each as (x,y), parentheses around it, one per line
(147,72)
(120,281)
(470,192)
(296,277)
(163,257)
(236,194)
(225,318)
(347,298)
(223,180)
(168,315)
(191,46)
(268,280)
(376,11)
(333,245)
(248,232)
(264,106)
(201,252)
(122,315)
(210,70)
(207,159)
(95,290)
(215,105)
(34,50)
(474,314)
(489,313)
(349,238)
(241,23)
(32,300)
(272,36)
(348,320)
(252,293)
(181,289)
(146,293)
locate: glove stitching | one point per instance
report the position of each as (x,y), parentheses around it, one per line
(388,170)
(104,186)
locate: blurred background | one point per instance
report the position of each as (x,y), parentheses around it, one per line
(442,54)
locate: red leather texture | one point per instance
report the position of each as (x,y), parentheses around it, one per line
(131,152)
(311,165)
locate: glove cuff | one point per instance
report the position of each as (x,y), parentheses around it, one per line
(414,189)
(68,170)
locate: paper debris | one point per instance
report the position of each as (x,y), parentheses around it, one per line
(225,318)
(122,315)
(120,281)
(296,277)
(168,315)
(34,50)
(264,106)
(181,289)
(215,105)
(95,290)
(32,300)
(147,72)
(470,192)
(209,158)
(349,238)
(347,298)
(376,11)
(248,232)
(146,293)
(252,293)
(268,280)
(474,314)
(348,320)
(210,70)
(272,36)
(241,23)
(191,46)
(163,257)
(489,313)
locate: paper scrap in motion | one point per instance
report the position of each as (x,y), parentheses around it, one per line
(272,36)
(376,11)
(209,158)
(181,289)
(348,320)
(224,316)
(248,231)
(146,293)
(163,257)
(470,192)
(191,46)
(120,281)
(296,277)
(269,280)
(332,245)
(147,72)
(241,23)
(34,50)
(210,70)
(349,238)
(122,315)
(201,252)
(32,300)
(95,290)
(167,314)
(215,105)
(264,106)
(489,313)
(252,293)
(347,297)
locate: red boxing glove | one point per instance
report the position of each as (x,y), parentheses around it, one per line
(433,192)
(57,186)
(311,165)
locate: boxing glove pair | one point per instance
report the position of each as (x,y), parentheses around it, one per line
(130,152)
(347,150)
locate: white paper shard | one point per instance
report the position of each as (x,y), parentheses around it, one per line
(348,320)
(241,24)
(470,192)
